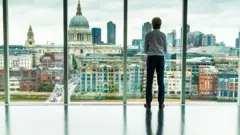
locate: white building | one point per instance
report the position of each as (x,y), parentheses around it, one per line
(19,61)
(14,84)
(173,82)
(79,40)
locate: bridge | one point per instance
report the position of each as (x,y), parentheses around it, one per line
(57,95)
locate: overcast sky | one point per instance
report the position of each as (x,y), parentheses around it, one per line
(219,17)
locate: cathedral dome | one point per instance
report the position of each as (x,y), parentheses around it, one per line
(79,20)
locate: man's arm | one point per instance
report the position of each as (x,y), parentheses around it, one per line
(145,45)
(165,44)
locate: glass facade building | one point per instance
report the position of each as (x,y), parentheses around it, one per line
(111,33)
(96,35)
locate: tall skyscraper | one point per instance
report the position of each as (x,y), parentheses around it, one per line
(111,33)
(188,30)
(96,35)
(147,27)
(171,38)
(237,43)
(209,40)
(238,39)
(174,34)
(195,38)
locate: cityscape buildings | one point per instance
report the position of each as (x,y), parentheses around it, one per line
(211,67)
(188,30)
(237,43)
(111,33)
(137,42)
(96,35)
(195,38)
(209,40)
(146,27)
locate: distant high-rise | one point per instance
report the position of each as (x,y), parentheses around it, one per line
(174,34)
(188,30)
(147,27)
(195,38)
(171,38)
(96,35)
(136,42)
(209,40)
(238,39)
(237,43)
(111,33)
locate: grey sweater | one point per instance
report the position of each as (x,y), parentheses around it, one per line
(155,43)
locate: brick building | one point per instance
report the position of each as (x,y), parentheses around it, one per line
(29,80)
(207,80)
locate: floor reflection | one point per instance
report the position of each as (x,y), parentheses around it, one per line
(7,121)
(124,120)
(148,122)
(238,121)
(182,128)
(66,120)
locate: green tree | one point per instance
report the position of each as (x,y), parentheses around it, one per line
(49,88)
(115,88)
(141,88)
(74,63)
(195,79)
(45,87)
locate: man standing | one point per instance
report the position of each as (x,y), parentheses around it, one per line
(155,47)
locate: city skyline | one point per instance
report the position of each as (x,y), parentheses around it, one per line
(49,26)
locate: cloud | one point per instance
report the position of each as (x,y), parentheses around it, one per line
(218,17)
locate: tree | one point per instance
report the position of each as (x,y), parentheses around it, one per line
(115,88)
(74,62)
(195,79)
(49,88)
(141,88)
(45,87)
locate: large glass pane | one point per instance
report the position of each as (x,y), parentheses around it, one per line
(212,56)
(95,50)
(36,51)
(1,56)
(141,13)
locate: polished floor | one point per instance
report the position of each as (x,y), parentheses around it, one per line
(194,119)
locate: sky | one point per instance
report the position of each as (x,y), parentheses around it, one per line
(218,17)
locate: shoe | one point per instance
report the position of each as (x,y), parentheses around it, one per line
(147,105)
(161,106)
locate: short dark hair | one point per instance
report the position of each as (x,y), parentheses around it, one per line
(156,23)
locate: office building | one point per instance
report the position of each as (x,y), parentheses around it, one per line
(147,27)
(227,85)
(209,40)
(111,33)
(171,38)
(96,35)
(188,30)
(137,42)
(237,43)
(195,39)
(174,34)
(208,80)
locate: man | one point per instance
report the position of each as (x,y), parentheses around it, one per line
(155,47)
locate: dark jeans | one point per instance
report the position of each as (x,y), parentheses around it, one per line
(155,62)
